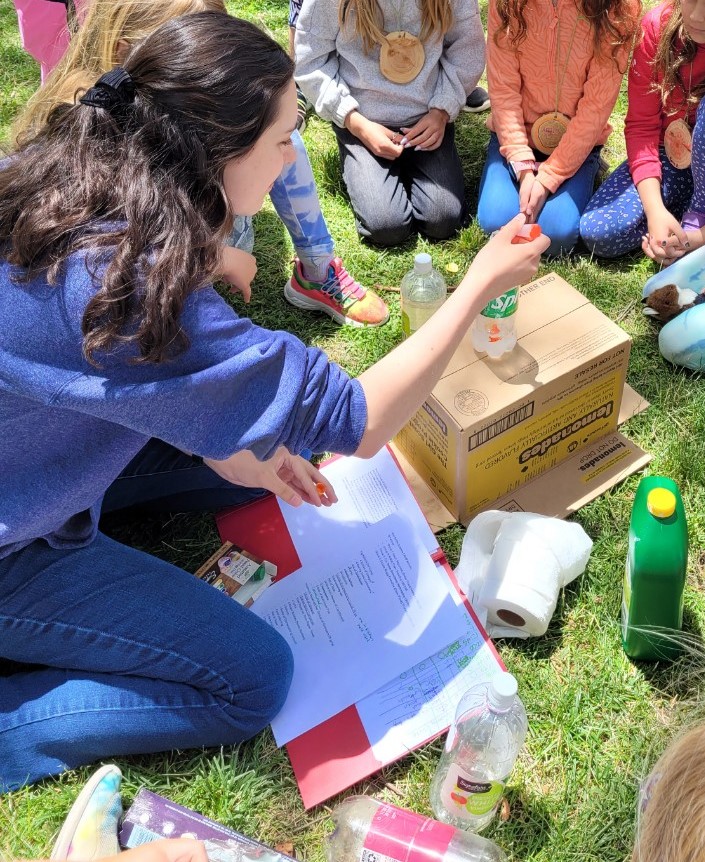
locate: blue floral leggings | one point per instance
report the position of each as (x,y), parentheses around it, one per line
(614,220)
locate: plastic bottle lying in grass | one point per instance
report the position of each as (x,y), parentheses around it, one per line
(370,831)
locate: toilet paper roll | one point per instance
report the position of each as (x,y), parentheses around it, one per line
(523,580)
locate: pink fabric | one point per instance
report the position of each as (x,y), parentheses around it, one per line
(43,31)
(646,118)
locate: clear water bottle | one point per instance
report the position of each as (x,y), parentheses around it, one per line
(370,831)
(483,742)
(494,329)
(423,292)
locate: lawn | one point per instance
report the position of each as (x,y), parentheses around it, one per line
(597,720)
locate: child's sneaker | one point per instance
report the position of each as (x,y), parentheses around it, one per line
(91,827)
(303,106)
(340,296)
(477,101)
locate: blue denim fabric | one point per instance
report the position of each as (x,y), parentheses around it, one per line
(113,652)
(560,217)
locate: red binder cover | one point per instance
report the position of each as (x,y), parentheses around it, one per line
(335,754)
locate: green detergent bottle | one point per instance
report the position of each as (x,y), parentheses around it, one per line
(654,579)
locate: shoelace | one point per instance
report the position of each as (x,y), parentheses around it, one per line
(342,284)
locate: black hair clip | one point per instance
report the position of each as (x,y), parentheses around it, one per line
(110,90)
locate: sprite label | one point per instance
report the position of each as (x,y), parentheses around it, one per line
(504,306)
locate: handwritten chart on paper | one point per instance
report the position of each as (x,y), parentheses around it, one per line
(420,703)
(356,618)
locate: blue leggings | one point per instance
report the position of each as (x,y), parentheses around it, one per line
(295,198)
(560,216)
(614,220)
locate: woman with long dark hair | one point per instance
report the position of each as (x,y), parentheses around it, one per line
(127,381)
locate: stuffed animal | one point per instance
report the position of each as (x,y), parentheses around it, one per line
(676,288)
(666,302)
(676,296)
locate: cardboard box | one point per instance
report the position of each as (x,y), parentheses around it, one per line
(491,427)
(237,573)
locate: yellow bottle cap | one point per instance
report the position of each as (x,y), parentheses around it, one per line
(661,502)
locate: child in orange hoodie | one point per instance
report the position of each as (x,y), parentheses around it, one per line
(554,69)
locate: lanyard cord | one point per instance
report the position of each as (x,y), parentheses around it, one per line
(559,83)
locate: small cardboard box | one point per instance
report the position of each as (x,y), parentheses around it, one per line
(237,573)
(490,427)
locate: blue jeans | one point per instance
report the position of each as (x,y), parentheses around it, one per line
(109,651)
(560,217)
(295,199)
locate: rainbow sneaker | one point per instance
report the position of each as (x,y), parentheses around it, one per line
(91,827)
(340,296)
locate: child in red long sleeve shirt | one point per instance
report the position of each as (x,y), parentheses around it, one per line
(644,201)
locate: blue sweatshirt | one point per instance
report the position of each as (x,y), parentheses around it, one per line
(68,429)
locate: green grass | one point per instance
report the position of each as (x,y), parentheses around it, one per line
(596,719)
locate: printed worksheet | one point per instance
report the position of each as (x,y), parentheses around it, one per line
(356,617)
(420,702)
(368,490)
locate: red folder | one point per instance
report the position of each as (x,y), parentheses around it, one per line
(335,754)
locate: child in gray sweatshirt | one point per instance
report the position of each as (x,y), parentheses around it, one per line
(392,77)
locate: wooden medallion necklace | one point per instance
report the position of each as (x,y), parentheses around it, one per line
(678,139)
(402,54)
(548,129)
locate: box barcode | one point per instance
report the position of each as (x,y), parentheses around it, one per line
(500,426)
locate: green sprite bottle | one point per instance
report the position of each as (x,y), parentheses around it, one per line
(654,579)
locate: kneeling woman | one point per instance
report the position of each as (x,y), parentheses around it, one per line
(118,358)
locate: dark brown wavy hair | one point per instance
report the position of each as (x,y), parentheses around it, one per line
(675,49)
(141,186)
(613,22)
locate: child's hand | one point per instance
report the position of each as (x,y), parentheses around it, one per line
(290,477)
(526,184)
(238,268)
(166,850)
(428,133)
(537,198)
(379,140)
(504,265)
(666,239)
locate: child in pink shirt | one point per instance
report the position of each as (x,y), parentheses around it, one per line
(644,200)
(554,70)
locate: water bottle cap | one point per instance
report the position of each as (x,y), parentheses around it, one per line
(423,263)
(502,691)
(661,502)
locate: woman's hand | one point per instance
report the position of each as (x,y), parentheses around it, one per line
(166,850)
(290,477)
(428,133)
(378,139)
(238,268)
(501,265)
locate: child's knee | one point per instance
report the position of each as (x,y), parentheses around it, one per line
(385,231)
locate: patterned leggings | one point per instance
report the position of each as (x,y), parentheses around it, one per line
(614,220)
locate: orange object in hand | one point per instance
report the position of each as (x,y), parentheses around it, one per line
(321,488)
(528,233)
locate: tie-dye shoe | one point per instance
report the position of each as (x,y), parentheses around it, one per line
(91,827)
(339,296)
